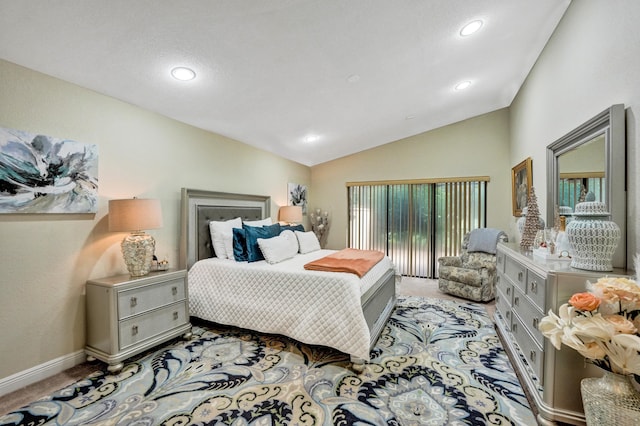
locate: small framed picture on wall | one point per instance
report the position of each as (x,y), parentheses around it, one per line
(521,185)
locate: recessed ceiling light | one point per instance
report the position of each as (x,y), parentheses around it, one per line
(183,73)
(471,28)
(311,138)
(463,85)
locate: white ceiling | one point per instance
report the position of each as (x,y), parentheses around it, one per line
(355,73)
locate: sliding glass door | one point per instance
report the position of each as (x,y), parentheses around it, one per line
(415,222)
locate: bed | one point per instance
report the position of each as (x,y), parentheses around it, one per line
(334,309)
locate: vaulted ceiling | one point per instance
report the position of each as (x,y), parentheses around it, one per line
(310,80)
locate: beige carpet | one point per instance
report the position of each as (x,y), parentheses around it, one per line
(408,287)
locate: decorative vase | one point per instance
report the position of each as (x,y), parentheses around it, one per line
(610,400)
(592,237)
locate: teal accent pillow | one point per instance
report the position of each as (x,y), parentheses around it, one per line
(252,234)
(292,228)
(240,245)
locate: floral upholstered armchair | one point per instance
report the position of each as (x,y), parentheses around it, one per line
(472,275)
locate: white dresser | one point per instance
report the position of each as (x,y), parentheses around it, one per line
(127,315)
(527,288)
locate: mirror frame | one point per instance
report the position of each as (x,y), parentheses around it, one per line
(610,123)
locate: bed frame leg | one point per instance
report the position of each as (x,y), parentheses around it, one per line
(357,364)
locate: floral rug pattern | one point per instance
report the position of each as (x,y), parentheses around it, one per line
(437,363)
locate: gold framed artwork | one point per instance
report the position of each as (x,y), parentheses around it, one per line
(521,185)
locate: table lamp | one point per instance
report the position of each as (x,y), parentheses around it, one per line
(290,214)
(135,215)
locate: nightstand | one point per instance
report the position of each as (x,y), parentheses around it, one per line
(127,315)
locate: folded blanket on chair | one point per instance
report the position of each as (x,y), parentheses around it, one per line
(484,240)
(351,260)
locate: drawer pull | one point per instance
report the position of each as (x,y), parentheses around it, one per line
(520,275)
(134,302)
(508,314)
(174,290)
(508,291)
(535,322)
(497,299)
(175,315)
(534,286)
(532,356)
(515,327)
(134,330)
(516,300)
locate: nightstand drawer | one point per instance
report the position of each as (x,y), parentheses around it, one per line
(148,297)
(516,272)
(139,328)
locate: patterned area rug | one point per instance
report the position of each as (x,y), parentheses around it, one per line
(437,363)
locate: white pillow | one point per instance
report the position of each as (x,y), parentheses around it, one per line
(277,249)
(222,236)
(307,241)
(262,222)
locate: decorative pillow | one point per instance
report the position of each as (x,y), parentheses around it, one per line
(262,222)
(240,245)
(219,231)
(253,233)
(279,248)
(307,241)
(292,228)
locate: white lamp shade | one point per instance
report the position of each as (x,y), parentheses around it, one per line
(290,214)
(135,214)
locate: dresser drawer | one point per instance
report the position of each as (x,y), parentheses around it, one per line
(529,314)
(145,326)
(505,287)
(148,297)
(515,272)
(504,308)
(500,260)
(536,286)
(531,351)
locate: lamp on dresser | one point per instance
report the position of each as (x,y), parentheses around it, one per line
(290,214)
(135,215)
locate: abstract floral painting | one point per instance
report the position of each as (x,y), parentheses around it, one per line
(43,174)
(297,196)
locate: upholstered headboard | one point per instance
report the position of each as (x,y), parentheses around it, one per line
(199,207)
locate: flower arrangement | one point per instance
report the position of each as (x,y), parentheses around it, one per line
(601,324)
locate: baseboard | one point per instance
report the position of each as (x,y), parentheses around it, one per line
(40,372)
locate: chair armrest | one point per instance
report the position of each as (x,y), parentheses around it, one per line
(450,261)
(480,260)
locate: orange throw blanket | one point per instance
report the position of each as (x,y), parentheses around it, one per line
(355,261)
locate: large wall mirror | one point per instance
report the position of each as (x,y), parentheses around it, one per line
(590,162)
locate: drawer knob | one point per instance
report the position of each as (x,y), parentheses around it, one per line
(174,290)
(508,291)
(134,302)
(532,356)
(516,300)
(134,330)
(520,275)
(534,286)
(515,328)
(175,315)
(535,322)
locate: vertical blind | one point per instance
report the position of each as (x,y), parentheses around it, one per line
(415,222)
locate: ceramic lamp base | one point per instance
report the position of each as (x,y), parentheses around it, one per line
(137,250)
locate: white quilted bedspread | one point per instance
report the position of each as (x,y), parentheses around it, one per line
(321,308)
